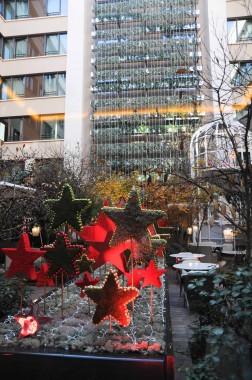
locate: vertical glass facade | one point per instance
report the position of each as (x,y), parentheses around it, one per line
(145,83)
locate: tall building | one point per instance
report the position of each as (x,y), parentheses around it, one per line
(120,79)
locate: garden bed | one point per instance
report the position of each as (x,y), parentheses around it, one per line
(69,343)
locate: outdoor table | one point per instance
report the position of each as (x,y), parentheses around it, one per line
(187,255)
(233,252)
(195,265)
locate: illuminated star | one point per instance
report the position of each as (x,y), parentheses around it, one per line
(132,221)
(67,210)
(62,256)
(134,278)
(156,249)
(151,275)
(29,325)
(23,258)
(111,300)
(86,281)
(85,264)
(98,236)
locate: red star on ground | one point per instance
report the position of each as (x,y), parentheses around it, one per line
(29,325)
(111,300)
(23,258)
(86,281)
(99,248)
(151,275)
(42,276)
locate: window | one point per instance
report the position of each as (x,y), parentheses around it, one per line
(54,84)
(56,7)
(241,74)
(239,30)
(21,48)
(12,9)
(32,128)
(52,129)
(15,9)
(8,49)
(33,86)
(56,44)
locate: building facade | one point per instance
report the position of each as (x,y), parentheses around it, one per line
(121,79)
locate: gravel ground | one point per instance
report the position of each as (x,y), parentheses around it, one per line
(71,328)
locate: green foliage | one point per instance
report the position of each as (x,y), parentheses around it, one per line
(10,296)
(222,335)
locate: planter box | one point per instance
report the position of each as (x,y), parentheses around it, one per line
(58,363)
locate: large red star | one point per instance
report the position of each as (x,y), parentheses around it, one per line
(99,248)
(98,231)
(111,300)
(132,221)
(151,275)
(86,281)
(23,258)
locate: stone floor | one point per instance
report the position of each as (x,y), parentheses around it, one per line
(180,318)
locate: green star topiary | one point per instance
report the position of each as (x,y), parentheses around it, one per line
(67,210)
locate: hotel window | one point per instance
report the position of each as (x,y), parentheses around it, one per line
(239,30)
(57,7)
(12,88)
(33,86)
(34,46)
(241,74)
(15,9)
(54,84)
(28,128)
(52,128)
(56,44)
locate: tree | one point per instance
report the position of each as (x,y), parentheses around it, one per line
(221,150)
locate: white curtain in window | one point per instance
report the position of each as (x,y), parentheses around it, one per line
(53,7)
(22,9)
(6,89)
(9,13)
(50,85)
(18,86)
(61,84)
(52,43)
(63,44)
(21,48)
(64,7)
(8,49)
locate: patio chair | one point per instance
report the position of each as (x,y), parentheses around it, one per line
(197,287)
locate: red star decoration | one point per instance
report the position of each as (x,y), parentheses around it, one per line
(151,275)
(42,276)
(86,281)
(98,231)
(23,258)
(134,278)
(111,300)
(29,325)
(99,246)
